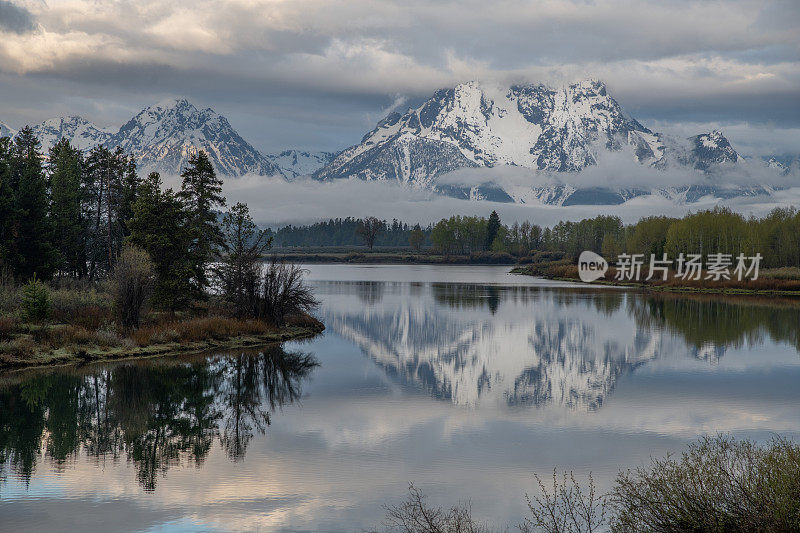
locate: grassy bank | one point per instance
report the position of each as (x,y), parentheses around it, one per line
(390,256)
(777,281)
(81,328)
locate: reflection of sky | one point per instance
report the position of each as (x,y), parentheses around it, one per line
(360,433)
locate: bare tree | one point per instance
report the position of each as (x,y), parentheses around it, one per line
(131,283)
(414,515)
(566,508)
(369,229)
(284,293)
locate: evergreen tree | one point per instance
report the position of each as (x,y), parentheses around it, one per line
(160,226)
(33,229)
(130,187)
(8,208)
(66,195)
(201,194)
(492,227)
(239,270)
(104,182)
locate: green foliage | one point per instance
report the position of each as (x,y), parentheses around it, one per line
(35,301)
(492,229)
(342,232)
(416,238)
(201,194)
(719,484)
(66,207)
(160,226)
(459,235)
(239,269)
(32,227)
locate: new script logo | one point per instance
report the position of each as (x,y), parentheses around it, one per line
(591,266)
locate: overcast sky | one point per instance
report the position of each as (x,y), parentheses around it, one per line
(317,74)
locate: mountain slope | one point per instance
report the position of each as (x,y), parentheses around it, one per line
(294,163)
(6,131)
(476,125)
(163,137)
(554,132)
(80,132)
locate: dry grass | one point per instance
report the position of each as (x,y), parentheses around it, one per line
(199,329)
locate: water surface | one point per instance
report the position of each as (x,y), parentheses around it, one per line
(464,380)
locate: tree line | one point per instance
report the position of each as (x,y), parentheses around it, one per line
(348,231)
(775,236)
(74,214)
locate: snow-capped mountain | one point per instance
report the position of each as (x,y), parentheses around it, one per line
(710,149)
(294,163)
(473,124)
(553,132)
(6,131)
(80,132)
(162,137)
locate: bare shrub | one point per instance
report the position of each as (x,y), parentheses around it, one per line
(414,515)
(131,285)
(566,507)
(284,293)
(7,327)
(718,484)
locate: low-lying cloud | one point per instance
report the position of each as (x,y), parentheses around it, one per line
(275,202)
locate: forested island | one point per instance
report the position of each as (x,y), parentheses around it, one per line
(97,261)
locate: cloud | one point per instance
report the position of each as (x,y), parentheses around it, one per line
(354,58)
(15,19)
(276,202)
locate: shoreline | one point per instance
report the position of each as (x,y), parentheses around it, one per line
(661,287)
(75,355)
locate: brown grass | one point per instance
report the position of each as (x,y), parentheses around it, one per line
(198,329)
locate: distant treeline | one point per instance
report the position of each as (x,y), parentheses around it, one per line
(776,236)
(345,232)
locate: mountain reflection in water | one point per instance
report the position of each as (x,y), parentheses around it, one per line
(464,380)
(535,345)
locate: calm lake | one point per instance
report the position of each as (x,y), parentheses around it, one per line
(462,380)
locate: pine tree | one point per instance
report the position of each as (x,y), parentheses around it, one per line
(492,227)
(201,193)
(104,181)
(8,208)
(160,227)
(239,269)
(33,229)
(66,201)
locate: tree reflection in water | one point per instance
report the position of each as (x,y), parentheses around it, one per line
(155,415)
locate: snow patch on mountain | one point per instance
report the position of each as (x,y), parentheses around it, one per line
(6,131)
(295,163)
(162,137)
(81,133)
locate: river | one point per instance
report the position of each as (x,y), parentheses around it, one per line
(464,380)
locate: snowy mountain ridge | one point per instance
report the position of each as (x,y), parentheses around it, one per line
(551,131)
(163,136)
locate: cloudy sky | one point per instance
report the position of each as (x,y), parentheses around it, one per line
(317,74)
